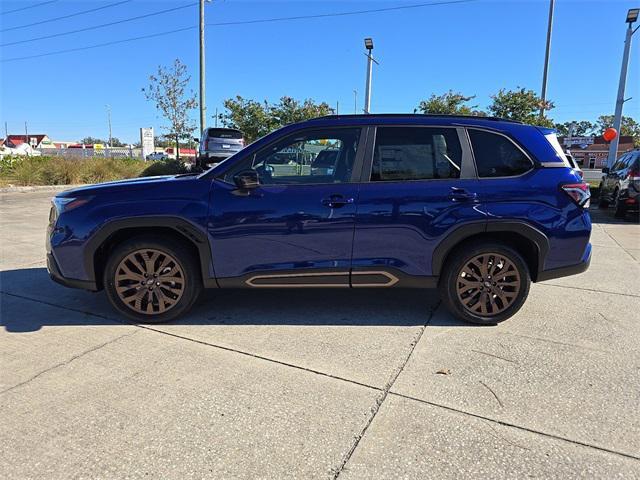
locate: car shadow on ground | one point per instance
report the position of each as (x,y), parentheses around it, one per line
(32,300)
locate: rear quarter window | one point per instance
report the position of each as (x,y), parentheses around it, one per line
(497,156)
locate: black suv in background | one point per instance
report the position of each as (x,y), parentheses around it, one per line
(620,184)
(218,144)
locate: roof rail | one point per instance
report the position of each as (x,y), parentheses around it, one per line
(417,115)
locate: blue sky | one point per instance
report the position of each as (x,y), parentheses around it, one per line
(476,48)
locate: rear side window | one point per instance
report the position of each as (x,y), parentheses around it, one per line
(416,153)
(497,156)
(224,133)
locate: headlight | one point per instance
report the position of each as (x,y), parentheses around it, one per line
(65,204)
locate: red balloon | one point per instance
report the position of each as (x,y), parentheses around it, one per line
(609,134)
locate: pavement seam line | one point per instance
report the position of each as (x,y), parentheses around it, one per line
(201,342)
(518,427)
(67,362)
(385,391)
(618,243)
(591,290)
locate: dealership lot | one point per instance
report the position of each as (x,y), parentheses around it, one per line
(318,383)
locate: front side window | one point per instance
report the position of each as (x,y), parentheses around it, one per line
(416,153)
(311,157)
(497,156)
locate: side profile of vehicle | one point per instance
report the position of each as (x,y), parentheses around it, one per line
(157,156)
(475,206)
(620,185)
(218,144)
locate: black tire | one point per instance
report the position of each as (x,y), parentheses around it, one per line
(459,261)
(182,262)
(602,202)
(620,210)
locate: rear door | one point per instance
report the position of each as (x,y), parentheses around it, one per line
(296,227)
(418,185)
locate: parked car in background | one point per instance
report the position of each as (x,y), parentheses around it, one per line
(218,144)
(475,206)
(620,185)
(157,156)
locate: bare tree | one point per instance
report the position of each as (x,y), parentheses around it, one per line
(168,90)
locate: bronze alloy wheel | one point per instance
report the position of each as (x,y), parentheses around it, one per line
(488,284)
(149,281)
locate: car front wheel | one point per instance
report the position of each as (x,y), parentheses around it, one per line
(485,283)
(152,280)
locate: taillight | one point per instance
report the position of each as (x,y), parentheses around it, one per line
(634,175)
(579,193)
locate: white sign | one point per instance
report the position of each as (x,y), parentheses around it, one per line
(147,141)
(578,141)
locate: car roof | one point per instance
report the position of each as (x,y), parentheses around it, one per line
(408,118)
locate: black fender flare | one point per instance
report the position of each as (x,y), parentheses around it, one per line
(186,229)
(461,233)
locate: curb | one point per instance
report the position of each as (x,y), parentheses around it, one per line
(38,188)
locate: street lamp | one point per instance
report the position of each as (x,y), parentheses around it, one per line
(632,16)
(368,44)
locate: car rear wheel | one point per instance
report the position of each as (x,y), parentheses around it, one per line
(152,280)
(602,202)
(618,205)
(485,283)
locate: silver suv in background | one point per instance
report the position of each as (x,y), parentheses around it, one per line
(218,144)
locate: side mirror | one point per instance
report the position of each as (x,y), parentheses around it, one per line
(247,179)
(605,169)
(196,139)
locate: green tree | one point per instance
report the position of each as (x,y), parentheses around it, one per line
(629,127)
(450,103)
(168,90)
(581,128)
(521,105)
(256,119)
(92,141)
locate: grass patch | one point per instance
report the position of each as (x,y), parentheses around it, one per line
(23,170)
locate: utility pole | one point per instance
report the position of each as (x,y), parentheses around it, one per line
(632,16)
(355,101)
(26,136)
(543,95)
(337,107)
(6,131)
(109,120)
(368,43)
(216,117)
(202,71)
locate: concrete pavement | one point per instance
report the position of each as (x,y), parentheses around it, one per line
(318,384)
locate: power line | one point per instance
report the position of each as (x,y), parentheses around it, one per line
(95,27)
(339,14)
(55,19)
(106,44)
(245,22)
(27,8)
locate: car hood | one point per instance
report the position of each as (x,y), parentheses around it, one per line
(126,185)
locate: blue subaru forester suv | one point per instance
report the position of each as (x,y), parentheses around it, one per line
(478,207)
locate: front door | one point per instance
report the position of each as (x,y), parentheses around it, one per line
(296,227)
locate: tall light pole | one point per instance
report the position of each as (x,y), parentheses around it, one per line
(109,121)
(632,16)
(355,101)
(543,94)
(202,71)
(368,44)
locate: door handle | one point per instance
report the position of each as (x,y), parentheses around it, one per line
(462,195)
(336,201)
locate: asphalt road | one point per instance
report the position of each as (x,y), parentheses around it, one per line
(318,383)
